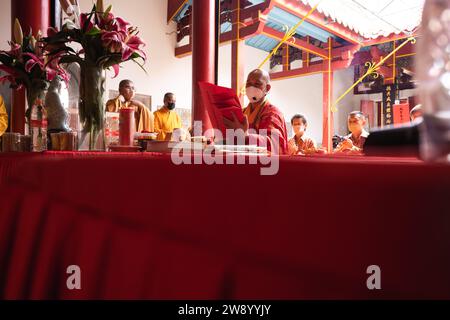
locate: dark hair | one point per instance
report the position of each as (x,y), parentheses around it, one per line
(167,95)
(301,117)
(357,114)
(125,82)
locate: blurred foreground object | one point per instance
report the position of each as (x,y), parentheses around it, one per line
(433,64)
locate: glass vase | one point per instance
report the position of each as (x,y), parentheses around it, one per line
(91,105)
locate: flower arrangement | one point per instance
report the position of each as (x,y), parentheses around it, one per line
(97,41)
(26,65)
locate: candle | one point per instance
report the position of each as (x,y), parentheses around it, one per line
(127,127)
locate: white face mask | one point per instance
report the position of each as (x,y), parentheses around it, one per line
(254,94)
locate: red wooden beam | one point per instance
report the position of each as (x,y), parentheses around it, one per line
(361,58)
(313,68)
(250,17)
(407,50)
(364,56)
(341,64)
(254,12)
(244,33)
(174,7)
(346,52)
(298,43)
(376,53)
(387,73)
(301,72)
(299,9)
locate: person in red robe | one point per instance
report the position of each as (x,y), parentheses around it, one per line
(261,115)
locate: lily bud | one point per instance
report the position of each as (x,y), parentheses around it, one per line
(100,6)
(18,33)
(33,42)
(108,10)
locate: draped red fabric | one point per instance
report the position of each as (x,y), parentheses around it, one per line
(223,232)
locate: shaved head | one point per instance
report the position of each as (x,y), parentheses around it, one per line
(259,74)
(127,90)
(258,85)
(125,83)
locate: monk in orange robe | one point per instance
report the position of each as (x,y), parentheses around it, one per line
(260,114)
(166,119)
(3,117)
(144,118)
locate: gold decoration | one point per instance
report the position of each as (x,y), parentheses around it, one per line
(373,68)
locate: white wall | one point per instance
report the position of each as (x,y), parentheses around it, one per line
(343,79)
(301,96)
(5,36)
(164,72)
(5,23)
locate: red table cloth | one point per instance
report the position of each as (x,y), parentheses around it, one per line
(140,227)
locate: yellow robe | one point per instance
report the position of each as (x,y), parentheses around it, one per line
(165,122)
(143,116)
(3,117)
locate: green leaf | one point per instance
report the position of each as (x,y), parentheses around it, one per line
(141,66)
(65,49)
(6,60)
(108,10)
(94,31)
(135,55)
(89,18)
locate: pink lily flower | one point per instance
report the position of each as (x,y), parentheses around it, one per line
(33,61)
(120,25)
(11,76)
(83,20)
(113,40)
(132,45)
(14,52)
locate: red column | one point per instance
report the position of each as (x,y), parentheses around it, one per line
(237,50)
(327,101)
(34,14)
(203,54)
(327,114)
